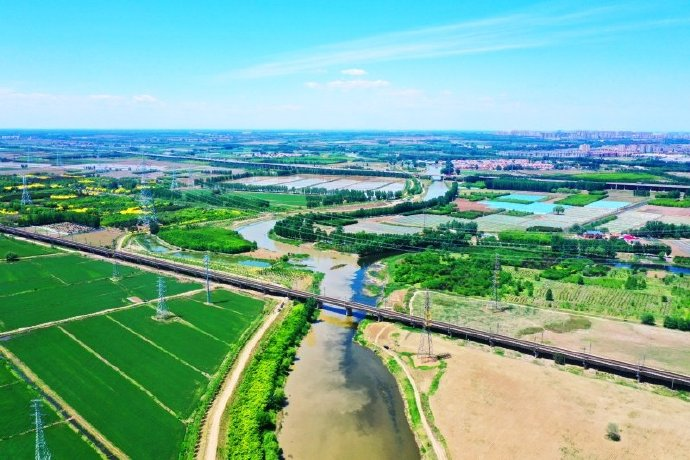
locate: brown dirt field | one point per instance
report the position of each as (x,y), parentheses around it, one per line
(491,406)
(467,205)
(664,211)
(103,237)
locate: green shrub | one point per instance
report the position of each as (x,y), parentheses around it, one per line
(613,433)
(648,319)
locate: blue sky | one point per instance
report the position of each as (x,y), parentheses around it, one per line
(439,64)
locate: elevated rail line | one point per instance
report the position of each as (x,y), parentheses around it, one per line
(641,373)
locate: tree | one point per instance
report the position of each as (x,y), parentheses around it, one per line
(647,318)
(558,210)
(11,257)
(549,295)
(154,227)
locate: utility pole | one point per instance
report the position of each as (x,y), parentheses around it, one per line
(162,307)
(26,198)
(41,448)
(207,264)
(426,349)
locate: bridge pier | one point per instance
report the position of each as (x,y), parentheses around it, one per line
(348,311)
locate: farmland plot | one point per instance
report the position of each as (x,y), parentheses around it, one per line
(138,380)
(41,290)
(23,249)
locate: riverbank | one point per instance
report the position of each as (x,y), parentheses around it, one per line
(432,445)
(493,403)
(253,411)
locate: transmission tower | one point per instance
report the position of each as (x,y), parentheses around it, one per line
(162,307)
(42,452)
(426,349)
(207,264)
(26,198)
(58,159)
(173,182)
(148,213)
(116,271)
(497,280)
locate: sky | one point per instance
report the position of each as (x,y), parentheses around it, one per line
(360,64)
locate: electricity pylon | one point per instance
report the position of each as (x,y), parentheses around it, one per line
(41,449)
(148,213)
(162,307)
(26,198)
(173,186)
(426,349)
(497,280)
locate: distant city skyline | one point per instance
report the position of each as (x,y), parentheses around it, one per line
(443,65)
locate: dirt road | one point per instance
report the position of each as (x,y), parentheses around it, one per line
(435,444)
(212,427)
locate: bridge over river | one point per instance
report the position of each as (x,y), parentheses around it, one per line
(641,373)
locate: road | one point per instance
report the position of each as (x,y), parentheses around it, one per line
(435,444)
(210,433)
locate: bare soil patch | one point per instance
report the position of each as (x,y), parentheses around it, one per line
(512,406)
(466,205)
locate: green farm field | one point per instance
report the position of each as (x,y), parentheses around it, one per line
(276,199)
(17,435)
(135,379)
(23,249)
(42,289)
(621,176)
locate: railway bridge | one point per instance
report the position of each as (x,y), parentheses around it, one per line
(641,373)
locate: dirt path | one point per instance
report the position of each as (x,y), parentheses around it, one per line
(435,444)
(211,430)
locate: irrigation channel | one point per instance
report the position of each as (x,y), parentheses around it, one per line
(341,398)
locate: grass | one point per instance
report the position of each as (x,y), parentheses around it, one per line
(408,392)
(573,323)
(580,199)
(40,290)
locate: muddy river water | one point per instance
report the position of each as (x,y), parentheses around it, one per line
(342,401)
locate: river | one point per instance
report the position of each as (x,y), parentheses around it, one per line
(342,401)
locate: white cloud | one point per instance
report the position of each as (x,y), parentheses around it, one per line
(347,85)
(354,72)
(105,97)
(539,26)
(144,99)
